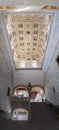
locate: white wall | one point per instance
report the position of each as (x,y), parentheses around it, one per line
(52,72)
(52,80)
(6,70)
(26,76)
(29,2)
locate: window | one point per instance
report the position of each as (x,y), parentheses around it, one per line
(22,64)
(34,63)
(20,114)
(37,93)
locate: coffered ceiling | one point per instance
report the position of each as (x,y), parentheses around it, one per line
(28,33)
(28,37)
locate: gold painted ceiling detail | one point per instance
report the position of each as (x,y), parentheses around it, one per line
(6,8)
(18,7)
(46,7)
(28,35)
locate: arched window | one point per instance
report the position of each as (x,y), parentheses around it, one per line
(37,94)
(20,114)
(21,91)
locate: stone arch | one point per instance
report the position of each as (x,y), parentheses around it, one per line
(37,93)
(21,90)
(20,114)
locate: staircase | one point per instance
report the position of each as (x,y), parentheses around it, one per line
(42,119)
(41,112)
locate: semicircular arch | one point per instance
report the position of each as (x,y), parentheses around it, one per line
(21,90)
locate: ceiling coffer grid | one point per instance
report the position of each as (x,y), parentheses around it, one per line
(28,35)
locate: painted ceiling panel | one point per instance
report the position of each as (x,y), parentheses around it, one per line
(28,36)
(29,7)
